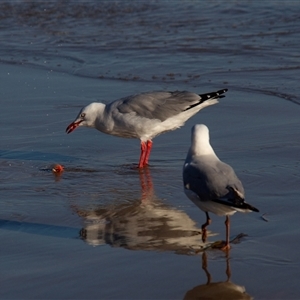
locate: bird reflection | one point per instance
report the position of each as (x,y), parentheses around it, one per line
(217,290)
(145,223)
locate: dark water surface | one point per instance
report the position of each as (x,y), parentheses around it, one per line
(105,230)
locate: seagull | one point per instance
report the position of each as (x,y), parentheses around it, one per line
(144,116)
(210,183)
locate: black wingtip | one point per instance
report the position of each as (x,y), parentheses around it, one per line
(215,95)
(237,204)
(252,207)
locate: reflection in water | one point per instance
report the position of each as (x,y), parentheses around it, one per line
(217,290)
(143,224)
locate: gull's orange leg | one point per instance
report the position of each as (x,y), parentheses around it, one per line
(227,224)
(203,227)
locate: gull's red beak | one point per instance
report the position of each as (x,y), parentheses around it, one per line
(73,126)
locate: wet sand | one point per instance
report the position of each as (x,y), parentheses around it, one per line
(105,230)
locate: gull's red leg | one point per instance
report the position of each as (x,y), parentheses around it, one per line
(143,154)
(149,147)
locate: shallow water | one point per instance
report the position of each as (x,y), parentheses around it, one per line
(105,230)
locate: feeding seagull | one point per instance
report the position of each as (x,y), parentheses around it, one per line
(144,116)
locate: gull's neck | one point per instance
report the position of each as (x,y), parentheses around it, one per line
(201,146)
(94,114)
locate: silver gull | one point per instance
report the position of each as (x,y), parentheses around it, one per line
(210,183)
(144,116)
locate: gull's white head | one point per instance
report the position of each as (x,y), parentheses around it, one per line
(87,116)
(200,140)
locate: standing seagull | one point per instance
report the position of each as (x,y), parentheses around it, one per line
(144,116)
(211,184)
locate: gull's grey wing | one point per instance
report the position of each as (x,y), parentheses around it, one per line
(216,182)
(163,105)
(211,180)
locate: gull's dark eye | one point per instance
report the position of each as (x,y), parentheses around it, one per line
(82,115)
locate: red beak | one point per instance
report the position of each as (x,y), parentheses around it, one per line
(73,126)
